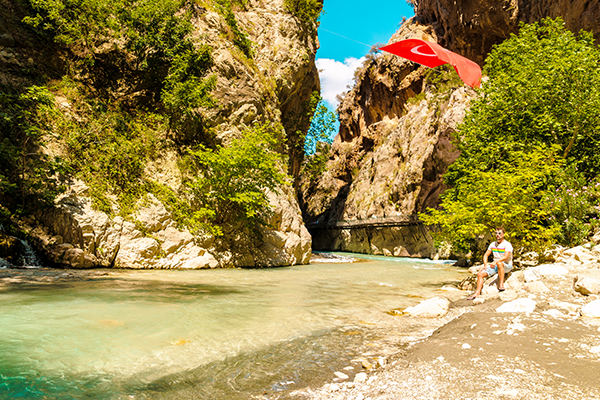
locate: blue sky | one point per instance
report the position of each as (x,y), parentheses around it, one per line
(344,23)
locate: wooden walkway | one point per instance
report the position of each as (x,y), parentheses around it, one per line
(396,220)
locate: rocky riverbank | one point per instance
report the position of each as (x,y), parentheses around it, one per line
(539,339)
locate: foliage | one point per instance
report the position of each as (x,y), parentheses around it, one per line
(155,32)
(185,90)
(240,39)
(540,110)
(575,203)
(322,125)
(317,142)
(316,163)
(513,195)
(27,176)
(544,87)
(308,11)
(108,148)
(231,182)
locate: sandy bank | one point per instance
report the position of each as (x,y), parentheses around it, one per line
(478,351)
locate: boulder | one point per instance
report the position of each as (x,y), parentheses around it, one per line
(523,305)
(550,270)
(591,310)
(10,248)
(581,254)
(431,308)
(536,287)
(530,259)
(531,275)
(586,285)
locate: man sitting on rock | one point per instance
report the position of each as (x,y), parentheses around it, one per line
(502,263)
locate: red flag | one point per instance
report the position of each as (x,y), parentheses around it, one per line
(433,55)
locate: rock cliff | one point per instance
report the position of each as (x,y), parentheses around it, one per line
(471,28)
(394,143)
(272,85)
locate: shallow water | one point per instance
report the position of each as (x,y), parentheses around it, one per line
(198,334)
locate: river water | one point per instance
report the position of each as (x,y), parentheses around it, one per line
(206,334)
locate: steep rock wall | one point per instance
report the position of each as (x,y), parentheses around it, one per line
(471,28)
(390,155)
(275,83)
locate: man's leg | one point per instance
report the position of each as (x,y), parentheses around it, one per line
(480,277)
(500,276)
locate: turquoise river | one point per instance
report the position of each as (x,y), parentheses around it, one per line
(204,334)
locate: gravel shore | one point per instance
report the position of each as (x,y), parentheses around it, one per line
(484,349)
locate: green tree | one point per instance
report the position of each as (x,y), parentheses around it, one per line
(308,11)
(539,110)
(514,195)
(544,87)
(231,182)
(27,175)
(322,125)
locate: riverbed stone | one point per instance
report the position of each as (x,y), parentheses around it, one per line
(591,310)
(586,285)
(431,308)
(531,275)
(536,287)
(522,305)
(550,270)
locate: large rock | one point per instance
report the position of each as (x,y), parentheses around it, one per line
(273,85)
(536,287)
(10,248)
(471,28)
(431,308)
(586,285)
(549,270)
(591,310)
(523,305)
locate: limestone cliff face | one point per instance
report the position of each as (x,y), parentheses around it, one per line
(272,85)
(471,28)
(391,152)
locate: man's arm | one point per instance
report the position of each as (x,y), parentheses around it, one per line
(503,259)
(485,258)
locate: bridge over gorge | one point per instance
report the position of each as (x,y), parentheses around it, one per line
(395,220)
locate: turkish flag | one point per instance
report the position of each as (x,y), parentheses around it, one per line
(433,55)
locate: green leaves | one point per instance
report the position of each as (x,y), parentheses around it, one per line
(511,195)
(308,11)
(538,112)
(27,176)
(232,181)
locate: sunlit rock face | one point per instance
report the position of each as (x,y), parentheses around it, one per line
(471,28)
(273,86)
(388,160)
(391,152)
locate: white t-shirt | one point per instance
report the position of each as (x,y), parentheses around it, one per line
(499,249)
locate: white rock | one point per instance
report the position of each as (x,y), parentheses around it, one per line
(531,275)
(591,310)
(361,377)
(581,254)
(340,375)
(152,214)
(553,312)
(550,270)
(536,287)
(586,285)
(431,308)
(520,305)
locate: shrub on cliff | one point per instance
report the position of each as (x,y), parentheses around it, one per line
(27,175)
(229,184)
(146,42)
(540,110)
